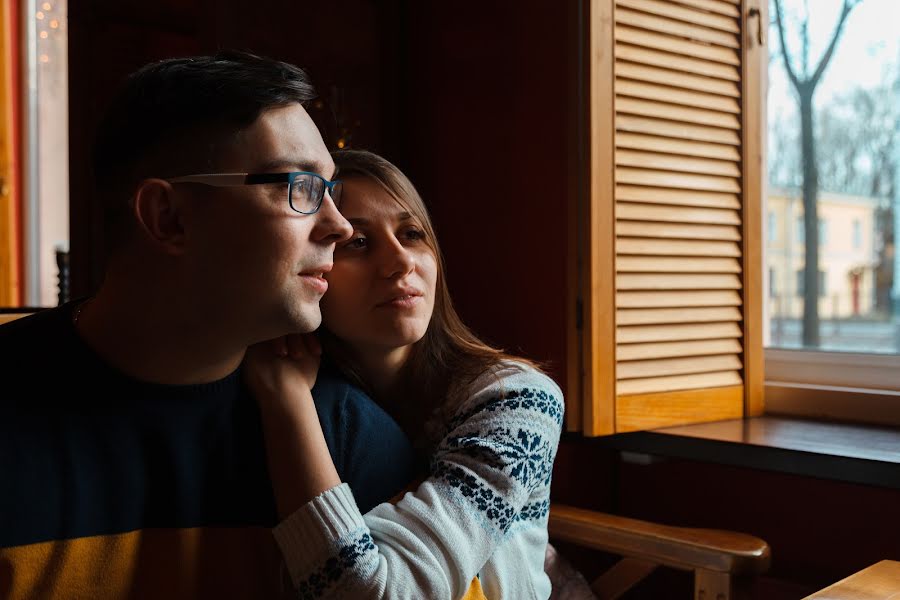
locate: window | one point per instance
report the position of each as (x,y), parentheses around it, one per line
(36,195)
(772,229)
(671,212)
(855,112)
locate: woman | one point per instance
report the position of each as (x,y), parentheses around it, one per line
(488,422)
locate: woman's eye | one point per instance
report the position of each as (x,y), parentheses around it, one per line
(414,234)
(357,242)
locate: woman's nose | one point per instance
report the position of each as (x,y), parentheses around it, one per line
(397,262)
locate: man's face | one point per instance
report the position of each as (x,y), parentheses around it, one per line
(260,262)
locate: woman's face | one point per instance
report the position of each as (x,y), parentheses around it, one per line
(381,290)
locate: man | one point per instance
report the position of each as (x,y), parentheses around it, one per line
(132,458)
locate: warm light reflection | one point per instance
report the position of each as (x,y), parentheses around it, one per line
(39,15)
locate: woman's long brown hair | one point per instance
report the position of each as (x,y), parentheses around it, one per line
(449,356)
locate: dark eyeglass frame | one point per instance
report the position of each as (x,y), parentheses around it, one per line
(237,179)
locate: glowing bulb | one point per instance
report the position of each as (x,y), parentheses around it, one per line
(43,35)
(341,143)
(54,24)
(39,15)
(46,6)
(45,58)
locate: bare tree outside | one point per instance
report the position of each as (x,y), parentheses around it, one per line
(804,80)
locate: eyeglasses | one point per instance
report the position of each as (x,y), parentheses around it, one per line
(305,190)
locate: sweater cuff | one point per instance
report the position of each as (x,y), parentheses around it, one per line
(313,531)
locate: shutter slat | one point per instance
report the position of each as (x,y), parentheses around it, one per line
(675,79)
(685,131)
(681,164)
(672,27)
(678,382)
(680,231)
(670,10)
(654,143)
(677,366)
(674,112)
(714,6)
(649,316)
(677,197)
(667,264)
(647,177)
(678,281)
(657,41)
(676,214)
(675,62)
(659,93)
(671,333)
(677,247)
(676,299)
(668,349)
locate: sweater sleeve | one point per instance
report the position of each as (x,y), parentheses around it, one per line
(495,460)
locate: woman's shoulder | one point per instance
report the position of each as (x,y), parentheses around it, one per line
(511,388)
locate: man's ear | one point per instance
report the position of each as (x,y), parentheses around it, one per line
(157,211)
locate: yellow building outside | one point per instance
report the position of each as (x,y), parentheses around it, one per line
(847,254)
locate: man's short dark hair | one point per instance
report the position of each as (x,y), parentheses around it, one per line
(169,117)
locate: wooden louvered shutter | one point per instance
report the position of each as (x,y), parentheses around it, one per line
(669,284)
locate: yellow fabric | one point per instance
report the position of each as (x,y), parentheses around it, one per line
(152,563)
(475,592)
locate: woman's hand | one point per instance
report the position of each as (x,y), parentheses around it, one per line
(279,367)
(280,374)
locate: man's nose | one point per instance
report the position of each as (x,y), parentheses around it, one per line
(331,226)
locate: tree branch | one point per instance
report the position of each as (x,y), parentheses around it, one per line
(826,58)
(779,20)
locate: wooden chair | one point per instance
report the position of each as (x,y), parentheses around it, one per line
(11,314)
(715,557)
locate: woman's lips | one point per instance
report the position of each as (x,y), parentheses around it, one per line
(402,301)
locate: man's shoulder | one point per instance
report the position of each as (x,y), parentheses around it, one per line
(336,397)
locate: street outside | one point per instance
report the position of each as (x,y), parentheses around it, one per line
(842,335)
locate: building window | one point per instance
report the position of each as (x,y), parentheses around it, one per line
(857,234)
(772,229)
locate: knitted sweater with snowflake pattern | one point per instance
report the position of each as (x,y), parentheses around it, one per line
(481,513)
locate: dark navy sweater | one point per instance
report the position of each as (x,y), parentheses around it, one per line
(113,487)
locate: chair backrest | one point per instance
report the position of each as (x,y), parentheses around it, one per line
(11,314)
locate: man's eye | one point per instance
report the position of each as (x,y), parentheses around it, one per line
(357,242)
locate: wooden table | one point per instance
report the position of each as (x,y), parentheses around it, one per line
(881,581)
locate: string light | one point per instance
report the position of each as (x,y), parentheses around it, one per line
(43,35)
(39,15)
(47,6)
(45,58)
(54,24)
(341,143)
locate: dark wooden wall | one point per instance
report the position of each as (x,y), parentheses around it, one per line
(475,101)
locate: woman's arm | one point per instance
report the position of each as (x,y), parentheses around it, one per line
(281,374)
(488,493)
